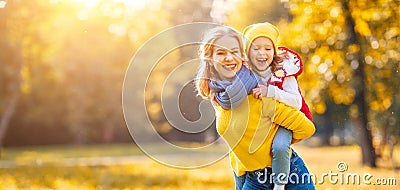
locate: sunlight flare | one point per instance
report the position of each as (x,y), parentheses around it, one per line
(3,4)
(133,4)
(88,3)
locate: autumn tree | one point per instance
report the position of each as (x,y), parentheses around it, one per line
(21,47)
(350,51)
(365,37)
(73,60)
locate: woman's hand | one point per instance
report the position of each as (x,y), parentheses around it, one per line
(260,91)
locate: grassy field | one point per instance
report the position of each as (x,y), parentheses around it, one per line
(41,168)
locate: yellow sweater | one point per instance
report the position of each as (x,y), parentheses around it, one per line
(250,127)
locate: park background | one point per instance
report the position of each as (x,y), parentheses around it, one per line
(63,65)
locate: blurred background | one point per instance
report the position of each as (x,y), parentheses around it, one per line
(63,62)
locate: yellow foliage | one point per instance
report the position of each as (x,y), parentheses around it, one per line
(8,182)
(25,78)
(154,110)
(320,108)
(386,103)
(354,48)
(147,174)
(362,27)
(65,184)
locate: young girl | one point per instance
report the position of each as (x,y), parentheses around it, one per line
(278,69)
(243,121)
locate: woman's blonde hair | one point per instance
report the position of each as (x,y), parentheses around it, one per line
(206,71)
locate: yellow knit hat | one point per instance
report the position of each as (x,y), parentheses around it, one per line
(264,29)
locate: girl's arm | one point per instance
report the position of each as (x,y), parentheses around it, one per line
(290,95)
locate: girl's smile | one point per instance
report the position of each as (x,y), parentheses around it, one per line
(261,53)
(261,61)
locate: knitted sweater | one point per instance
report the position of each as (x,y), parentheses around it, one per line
(249,129)
(249,125)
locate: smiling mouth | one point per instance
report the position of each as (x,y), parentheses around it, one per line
(230,67)
(261,61)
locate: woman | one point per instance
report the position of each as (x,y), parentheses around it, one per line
(247,124)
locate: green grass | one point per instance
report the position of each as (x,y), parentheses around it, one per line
(101,150)
(144,173)
(72,151)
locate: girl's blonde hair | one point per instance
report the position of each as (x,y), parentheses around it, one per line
(206,71)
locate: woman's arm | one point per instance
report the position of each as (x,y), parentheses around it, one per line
(288,118)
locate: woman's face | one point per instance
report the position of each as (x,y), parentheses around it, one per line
(261,53)
(227,57)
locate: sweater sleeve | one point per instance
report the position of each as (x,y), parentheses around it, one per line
(291,119)
(290,94)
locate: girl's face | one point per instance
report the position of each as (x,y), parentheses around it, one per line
(261,53)
(227,57)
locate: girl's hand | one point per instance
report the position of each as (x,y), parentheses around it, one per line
(260,91)
(279,65)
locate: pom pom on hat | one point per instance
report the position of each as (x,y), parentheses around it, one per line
(264,29)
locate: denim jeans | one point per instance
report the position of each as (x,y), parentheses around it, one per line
(239,181)
(281,156)
(299,177)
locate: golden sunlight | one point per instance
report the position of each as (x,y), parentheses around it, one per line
(88,3)
(106,7)
(133,4)
(140,4)
(3,4)
(136,4)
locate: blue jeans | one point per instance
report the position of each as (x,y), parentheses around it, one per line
(239,181)
(281,156)
(299,177)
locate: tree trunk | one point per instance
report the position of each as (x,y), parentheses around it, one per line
(10,108)
(359,118)
(7,114)
(327,128)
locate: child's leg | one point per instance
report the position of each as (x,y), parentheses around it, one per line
(281,156)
